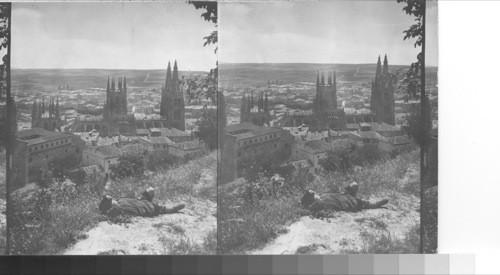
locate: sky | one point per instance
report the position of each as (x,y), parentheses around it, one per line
(321,32)
(119,35)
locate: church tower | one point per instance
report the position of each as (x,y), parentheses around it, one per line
(172,100)
(382,98)
(51,120)
(325,112)
(116,98)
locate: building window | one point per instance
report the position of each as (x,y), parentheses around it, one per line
(29,149)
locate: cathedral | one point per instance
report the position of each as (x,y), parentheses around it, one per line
(258,115)
(116,119)
(382,97)
(48,118)
(325,112)
(172,100)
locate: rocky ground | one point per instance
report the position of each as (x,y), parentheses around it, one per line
(150,235)
(343,231)
(180,233)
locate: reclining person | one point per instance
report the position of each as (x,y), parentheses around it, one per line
(346,201)
(142,206)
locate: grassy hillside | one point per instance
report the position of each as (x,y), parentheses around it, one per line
(50,220)
(269,222)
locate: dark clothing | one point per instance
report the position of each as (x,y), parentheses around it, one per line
(137,207)
(338,202)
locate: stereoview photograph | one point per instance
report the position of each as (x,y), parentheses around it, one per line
(329,143)
(116,115)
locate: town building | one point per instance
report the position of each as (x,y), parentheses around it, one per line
(246,140)
(316,150)
(36,148)
(103,156)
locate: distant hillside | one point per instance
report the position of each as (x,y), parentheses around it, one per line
(251,74)
(51,79)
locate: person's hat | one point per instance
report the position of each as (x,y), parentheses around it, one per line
(149,193)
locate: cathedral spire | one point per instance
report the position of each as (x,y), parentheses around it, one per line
(322,78)
(386,66)
(125,84)
(175,75)
(379,69)
(113,84)
(168,79)
(57,109)
(329,78)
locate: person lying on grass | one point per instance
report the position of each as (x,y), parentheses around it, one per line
(131,207)
(346,201)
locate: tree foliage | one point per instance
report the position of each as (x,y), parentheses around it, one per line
(204,85)
(207,128)
(128,165)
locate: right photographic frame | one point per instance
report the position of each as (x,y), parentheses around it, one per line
(328,127)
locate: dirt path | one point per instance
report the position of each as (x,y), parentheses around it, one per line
(150,235)
(343,231)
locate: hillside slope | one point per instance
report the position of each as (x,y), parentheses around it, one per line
(187,232)
(158,235)
(344,231)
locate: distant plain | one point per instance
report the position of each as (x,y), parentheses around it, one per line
(51,79)
(257,74)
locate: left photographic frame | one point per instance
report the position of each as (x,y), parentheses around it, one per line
(7,119)
(114,129)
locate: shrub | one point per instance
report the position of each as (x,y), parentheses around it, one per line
(50,219)
(128,165)
(249,220)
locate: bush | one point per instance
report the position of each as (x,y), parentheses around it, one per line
(249,220)
(51,219)
(161,160)
(128,165)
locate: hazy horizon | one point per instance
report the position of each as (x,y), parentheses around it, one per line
(319,63)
